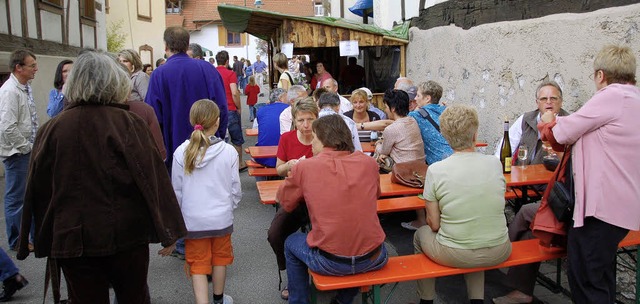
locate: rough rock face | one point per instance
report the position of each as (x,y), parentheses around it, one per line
(467,14)
(496,67)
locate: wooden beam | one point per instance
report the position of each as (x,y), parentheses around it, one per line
(9,43)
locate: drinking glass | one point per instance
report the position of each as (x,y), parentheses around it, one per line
(523,152)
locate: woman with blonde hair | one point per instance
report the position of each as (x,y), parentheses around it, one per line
(282,64)
(207,184)
(131,60)
(295,145)
(604,138)
(464,196)
(361,113)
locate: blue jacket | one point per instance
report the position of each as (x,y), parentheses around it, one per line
(436,148)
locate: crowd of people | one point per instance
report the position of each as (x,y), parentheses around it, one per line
(131,157)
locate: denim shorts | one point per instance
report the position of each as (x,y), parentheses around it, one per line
(235,128)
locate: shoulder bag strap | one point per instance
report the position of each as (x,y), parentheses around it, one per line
(426,115)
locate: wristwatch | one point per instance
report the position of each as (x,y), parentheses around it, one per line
(362,126)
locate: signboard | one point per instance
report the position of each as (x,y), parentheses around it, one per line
(349,48)
(287,49)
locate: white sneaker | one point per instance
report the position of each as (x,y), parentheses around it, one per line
(226,299)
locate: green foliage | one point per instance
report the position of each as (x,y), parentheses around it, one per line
(115,38)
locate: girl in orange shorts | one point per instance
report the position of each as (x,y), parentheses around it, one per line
(207,184)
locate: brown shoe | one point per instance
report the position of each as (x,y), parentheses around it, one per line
(30,246)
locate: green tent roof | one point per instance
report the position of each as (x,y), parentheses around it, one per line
(263,24)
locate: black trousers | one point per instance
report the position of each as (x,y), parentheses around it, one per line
(591,250)
(88,278)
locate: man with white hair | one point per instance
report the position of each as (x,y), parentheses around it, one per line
(286,119)
(332,86)
(406,84)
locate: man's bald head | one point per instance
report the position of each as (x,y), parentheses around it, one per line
(331,85)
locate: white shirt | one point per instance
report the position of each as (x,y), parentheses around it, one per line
(515,135)
(350,123)
(345,105)
(286,119)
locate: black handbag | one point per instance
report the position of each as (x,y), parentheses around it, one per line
(561,198)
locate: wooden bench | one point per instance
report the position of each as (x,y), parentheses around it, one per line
(253,164)
(264,171)
(515,193)
(418,266)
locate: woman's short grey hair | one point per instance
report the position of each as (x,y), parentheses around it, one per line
(133,57)
(97,78)
(458,125)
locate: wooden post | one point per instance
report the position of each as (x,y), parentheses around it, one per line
(403,61)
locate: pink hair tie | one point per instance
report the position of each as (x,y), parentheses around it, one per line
(198,127)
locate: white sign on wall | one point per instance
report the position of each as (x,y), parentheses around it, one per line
(349,48)
(287,49)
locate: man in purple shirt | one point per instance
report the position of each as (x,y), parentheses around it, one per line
(176,85)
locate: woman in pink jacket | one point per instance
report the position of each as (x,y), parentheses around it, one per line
(605,138)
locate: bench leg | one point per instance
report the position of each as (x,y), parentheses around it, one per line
(637,274)
(314,293)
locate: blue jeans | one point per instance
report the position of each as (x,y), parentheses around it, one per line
(180,246)
(15,168)
(235,128)
(301,257)
(252,113)
(7,267)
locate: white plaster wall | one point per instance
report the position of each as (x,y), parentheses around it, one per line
(74,26)
(430,3)
(16,22)
(31,20)
(386,12)
(497,67)
(335,10)
(4,23)
(140,32)
(208,37)
(101,29)
(51,26)
(88,37)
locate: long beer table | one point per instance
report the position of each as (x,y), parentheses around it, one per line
(519,177)
(267,189)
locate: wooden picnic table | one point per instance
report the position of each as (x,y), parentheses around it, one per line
(267,189)
(251,132)
(270,151)
(528,175)
(254,132)
(520,177)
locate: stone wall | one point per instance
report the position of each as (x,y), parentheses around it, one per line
(496,67)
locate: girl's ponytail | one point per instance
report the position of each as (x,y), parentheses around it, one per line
(203,116)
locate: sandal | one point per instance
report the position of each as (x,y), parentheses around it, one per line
(284,294)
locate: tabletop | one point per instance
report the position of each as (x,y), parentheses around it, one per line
(270,151)
(267,189)
(528,175)
(251,132)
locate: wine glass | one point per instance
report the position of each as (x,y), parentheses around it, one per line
(523,152)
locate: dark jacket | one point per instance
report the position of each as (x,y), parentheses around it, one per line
(97,186)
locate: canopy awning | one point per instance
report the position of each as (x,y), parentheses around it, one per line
(361,7)
(307,31)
